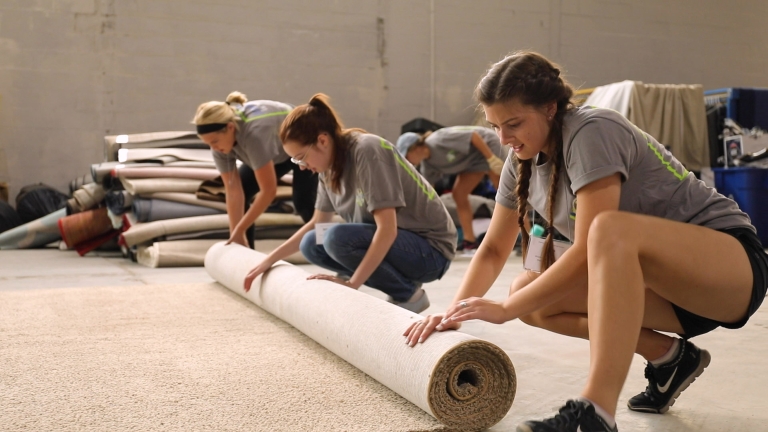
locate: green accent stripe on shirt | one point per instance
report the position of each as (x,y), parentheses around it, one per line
(429,192)
(250,119)
(680,176)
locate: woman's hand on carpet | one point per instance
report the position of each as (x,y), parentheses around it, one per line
(254,273)
(238,237)
(420,330)
(331,278)
(475,308)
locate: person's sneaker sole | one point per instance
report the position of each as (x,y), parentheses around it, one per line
(417,306)
(705,359)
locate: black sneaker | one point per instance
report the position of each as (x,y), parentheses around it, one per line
(666,382)
(468,246)
(576,415)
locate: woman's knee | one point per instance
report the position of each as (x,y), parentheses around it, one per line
(521,281)
(308,244)
(334,238)
(612,231)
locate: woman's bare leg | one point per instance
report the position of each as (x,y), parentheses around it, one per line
(701,270)
(462,187)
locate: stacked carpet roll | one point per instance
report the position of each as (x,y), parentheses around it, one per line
(33,234)
(146,232)
(160,190)
(464,382)
(87,230)
(175,139)
(191,253)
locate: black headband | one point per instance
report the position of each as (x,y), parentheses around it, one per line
(210,127)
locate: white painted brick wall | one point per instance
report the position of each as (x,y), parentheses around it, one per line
(72,71)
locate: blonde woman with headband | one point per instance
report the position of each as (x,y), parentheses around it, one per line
(238,129)
(398,234)
(654,250)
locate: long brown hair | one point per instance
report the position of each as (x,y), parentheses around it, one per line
(307,121)
(531,79)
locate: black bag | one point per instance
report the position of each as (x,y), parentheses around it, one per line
(8,217)
(38,200)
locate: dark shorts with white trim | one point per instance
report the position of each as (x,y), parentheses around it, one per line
(695,325)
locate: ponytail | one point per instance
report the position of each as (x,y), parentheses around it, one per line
(306,122)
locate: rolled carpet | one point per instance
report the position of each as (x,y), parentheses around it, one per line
(118,202)
(464,382)
(191,164)
(130,172)
(37,233)
(186,198)
(191,253)
(180,253)
(141,233)
(87,230)
(86,198)
(145,186)
(150,210)
(102,170)
(164,154)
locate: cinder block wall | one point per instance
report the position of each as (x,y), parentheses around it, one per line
(72,71)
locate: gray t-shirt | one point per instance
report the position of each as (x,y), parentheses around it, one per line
(452,152)
(257,141)
(376,177)
(598,143)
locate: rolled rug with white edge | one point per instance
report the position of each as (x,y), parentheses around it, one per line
(186,198)
(464,382)
(130,172)
(150,185)
(191,253)
(143,232)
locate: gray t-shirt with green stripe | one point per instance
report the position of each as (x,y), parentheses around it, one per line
(257,140)
(600,142)
(452,152)
(376,177)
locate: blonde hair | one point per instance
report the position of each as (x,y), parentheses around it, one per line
(220,112)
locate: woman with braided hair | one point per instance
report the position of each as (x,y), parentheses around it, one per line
(654,249)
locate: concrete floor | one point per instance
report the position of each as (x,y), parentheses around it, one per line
(730,395)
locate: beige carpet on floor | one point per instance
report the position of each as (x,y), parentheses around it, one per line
(177,357)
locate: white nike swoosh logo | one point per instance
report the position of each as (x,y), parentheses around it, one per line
(669,381)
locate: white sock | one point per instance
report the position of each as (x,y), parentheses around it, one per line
(609,420)
(668,356)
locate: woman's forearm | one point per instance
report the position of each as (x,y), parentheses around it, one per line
(569,271)
(262,200)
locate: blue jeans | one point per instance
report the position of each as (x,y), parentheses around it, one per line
(410,261)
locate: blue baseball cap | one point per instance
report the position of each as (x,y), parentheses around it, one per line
(406,141)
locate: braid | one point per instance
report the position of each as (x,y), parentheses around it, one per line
(523,182)
(548,251)
(532,80)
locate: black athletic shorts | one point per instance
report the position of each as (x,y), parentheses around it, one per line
(694,325)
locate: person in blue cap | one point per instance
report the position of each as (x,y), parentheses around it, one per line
(470,152)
